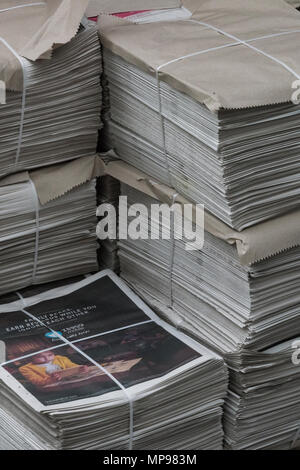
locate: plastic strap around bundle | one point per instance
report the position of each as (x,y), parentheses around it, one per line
(154,186)
(172,259)
(205,51)
(162,121)
(246,43)
(37,231)
(129,397)
(37,4)
(235,43)
(24,76)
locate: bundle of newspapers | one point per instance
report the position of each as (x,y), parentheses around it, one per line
(237,311)
(88,365)
(263,405)
(48,225)
(51,109)
(222,301)
(218,123)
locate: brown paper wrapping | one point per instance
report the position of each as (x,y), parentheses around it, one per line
(96,7)
(54,181)
(253,244)
(229,77)
(32,32)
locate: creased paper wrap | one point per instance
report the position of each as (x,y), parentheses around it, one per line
(222,73)
(33,31)
(54,181)
(253,244)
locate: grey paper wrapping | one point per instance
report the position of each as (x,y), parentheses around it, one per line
(226,77)
(56,180)
(32,32)
(114,6)
(253,244)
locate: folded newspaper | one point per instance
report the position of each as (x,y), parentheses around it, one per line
(51,109)
(89,366)
(262,410)
(48,224)
(263,405)
(209,104)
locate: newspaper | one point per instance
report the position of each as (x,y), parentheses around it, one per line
(31,30)
(204,57)
(53,340)
(92,355)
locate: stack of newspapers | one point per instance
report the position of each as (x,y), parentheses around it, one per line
(56,116)
(239,311)
(263,405)
(44,242)
(222,301)
(218,123)
(90,371)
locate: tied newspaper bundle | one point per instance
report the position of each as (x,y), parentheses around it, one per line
(52,105)
(89,366)
(218,298)
(48,224)
(263,404)
(263,407)
(207,104)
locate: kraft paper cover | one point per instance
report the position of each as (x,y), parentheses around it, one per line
(217,76)
(33,31)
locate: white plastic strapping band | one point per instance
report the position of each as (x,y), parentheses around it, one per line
(162,119)
(205,51)
(24,75)
(28,356)
(23,6)
(172,251)
(152,185)
(37,231)
(246,43)
(50,348)
(236,42)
